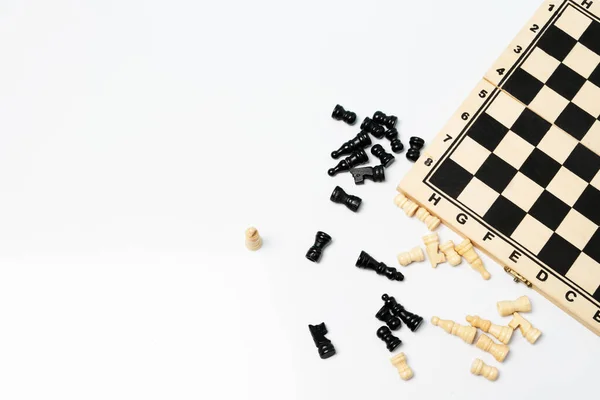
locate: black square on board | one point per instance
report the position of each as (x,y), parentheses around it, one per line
(451,178)
(523,86)
(565,82)
(549,210)
(559,254)
(487,132)
(591,37)
(540,167)
(496,173)
(595,77)
(557,43)
(592,248)
(504,216)
(575,121)
(583,162)
(588,204)
(531,127)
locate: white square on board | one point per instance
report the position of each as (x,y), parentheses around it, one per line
(514,149)
(505,109)
(470,155)
(577,229)
(532,234)
(558,144)
(567,186)
(573,22)
(585,271)
(478,196)
(540,64)
(549,104)
(591,140)
(523,191)
(582,60)
(588,98)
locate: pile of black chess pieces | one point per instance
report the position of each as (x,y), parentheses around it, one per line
(393,314)
(380,126)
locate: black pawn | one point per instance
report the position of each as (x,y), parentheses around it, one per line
(316,250)
(374,129)
(387,121)
(386,158)
(392,135)
(416,144)
(385,315)
(340,114)
(341,197)
(365,261)
(391,341)
(413,321)
(324,345)
(361,141)
(357,158)
(376,174)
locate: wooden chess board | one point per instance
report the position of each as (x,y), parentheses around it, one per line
(517,168)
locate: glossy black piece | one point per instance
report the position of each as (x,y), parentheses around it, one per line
(391,341)
(341,197)
(413,321)
(323,344)
(357,158)
(385,120)
(392,135)
(386,158)
(316,250)
(385,315)
(368,125)
(340,114)
(365,261)
(416,144)
(361,141)
(376,174)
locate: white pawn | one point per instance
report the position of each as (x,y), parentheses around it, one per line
(499,351)
(399,361)
(506,308)
(409,207)
(431,221)
(432,243)
(451,255)
(408,257)
(253,239)
(502,333)
(480,368)
(527,330)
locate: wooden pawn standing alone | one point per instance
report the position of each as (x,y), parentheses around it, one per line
(253,239)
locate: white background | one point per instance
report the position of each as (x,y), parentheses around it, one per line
(139,139)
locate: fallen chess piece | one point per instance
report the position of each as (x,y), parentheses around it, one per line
(499,351)
(408,257)
(385,158)
(413,321)
(466,333)
(340,114)
(507,307)
(253,239)
(361,141)
(316,250)
(432,242)
(527,330)
(399,361)
(409,207)
(385,120)
(392,135)
(416,144)
(365,261)
(391,341)
(452,256)
(480,368)
(368,125)
(351,202)
(385,315)
(466,250)
(376,174)
(357,158)
(431,221)
(324,345)
(502,333)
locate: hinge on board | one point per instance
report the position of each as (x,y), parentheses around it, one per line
(518,277)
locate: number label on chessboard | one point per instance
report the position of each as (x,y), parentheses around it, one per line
(517,168)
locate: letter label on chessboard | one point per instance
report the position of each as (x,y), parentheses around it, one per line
(514,257)
(570,296)
(435,199)
(597,316)
(542,276)
(488,236)
(462,218)
(587,3)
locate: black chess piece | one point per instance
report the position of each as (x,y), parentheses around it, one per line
(365,261)
(385,120)
(357,158)
(385,315)
(361,141)
(324,345)
(391,341)
(392,135)
(368,125)
(416,144)
(341,197)
(340,114)
(316,250)
(413,321)
(386,158)
(376,174)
